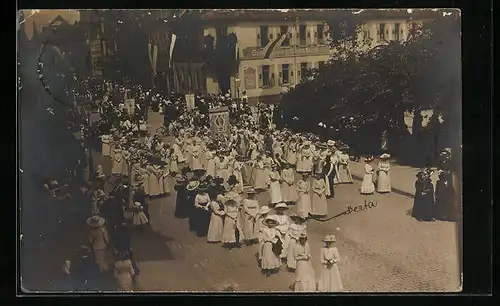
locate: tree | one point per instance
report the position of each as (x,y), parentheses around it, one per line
(222,60)
(374,88)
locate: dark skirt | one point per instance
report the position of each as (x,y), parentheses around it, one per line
(332,186)
(423,204)
(201,221)
(181,204)
(445,203)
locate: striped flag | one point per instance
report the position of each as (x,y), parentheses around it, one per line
(270,50)
(172,45)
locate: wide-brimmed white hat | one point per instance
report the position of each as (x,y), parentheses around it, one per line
(385,156)
(271,221)
(330,238)
(330,143)
(193,185)
(281,205)
(96,221)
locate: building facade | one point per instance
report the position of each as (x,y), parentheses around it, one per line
(264,75)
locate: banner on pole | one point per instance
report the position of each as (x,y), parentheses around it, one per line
(219,120)
(190,101)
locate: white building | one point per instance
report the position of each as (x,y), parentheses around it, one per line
(264,78)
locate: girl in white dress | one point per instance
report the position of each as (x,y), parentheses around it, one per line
(291,154)
(319,205)
(138,215)
(305,279)
(236,171)
(367,186)
(384,176)
(330,280)
(210,163)
(274,186)
(303,206)
(259,219)
(230,224)
(344,175)
(216,226)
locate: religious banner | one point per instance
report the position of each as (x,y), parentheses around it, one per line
(190,101)
(130,106)
(219,120)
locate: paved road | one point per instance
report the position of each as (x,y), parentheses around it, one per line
(383,249)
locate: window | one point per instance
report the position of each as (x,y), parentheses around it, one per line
(303,69)
(265,76)
(264,35)
(382,32)
(302,35)
(321,64)
(321,33)
(283,31)
(285,73)
(396,31)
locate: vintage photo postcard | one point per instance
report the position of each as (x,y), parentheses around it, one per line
(291,150)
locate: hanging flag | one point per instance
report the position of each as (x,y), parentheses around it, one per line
(155,57)
(152,56)
(172,45)
(272,47)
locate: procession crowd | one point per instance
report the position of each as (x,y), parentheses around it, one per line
(215,178)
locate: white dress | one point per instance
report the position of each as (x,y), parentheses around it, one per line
(269,260)
(275,188)
(288,189)
(139,217)
(344,171)
(229,231)
(293,234)
(106,147)
(305,279)
(216,222)
(154,188)
(384,177)
(330,280)
(367,186)
(260,181)
(250,209)
(116,167)
(319,205)
(195,160)
(303,206)
(210,164)
(306,163)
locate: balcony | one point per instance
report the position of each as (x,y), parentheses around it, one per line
(251,53)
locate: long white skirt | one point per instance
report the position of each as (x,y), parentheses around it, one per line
(330,280)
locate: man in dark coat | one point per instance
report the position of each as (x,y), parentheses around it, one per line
(112,209)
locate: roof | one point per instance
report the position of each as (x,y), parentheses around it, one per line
(247,15)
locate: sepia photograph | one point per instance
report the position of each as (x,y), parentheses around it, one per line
(240,150)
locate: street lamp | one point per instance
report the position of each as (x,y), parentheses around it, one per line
(237,81)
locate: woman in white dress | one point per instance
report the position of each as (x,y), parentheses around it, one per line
(138,216)
(250,207)
(291,154)
(305,278)
(384,176)
(303,205)
(288,189)
(210,163)
(268,165)
(125,162)
(116,167)
(270,261)
(167,177)
(319,206)
(216,227)
(274,186)
(236,168)
(153,180)
(306,155)
(344,171)
(259,219)
(330,280)
(296,228)
(367,186)
(106,147)
(196,152)
(230,224)
(260,182)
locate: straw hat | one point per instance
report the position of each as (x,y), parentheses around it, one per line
(330,238)
(192,185)
(330,143)
(281,205)
(180,178)
(96,221)
(271,221)
(202,186)
(385,156)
